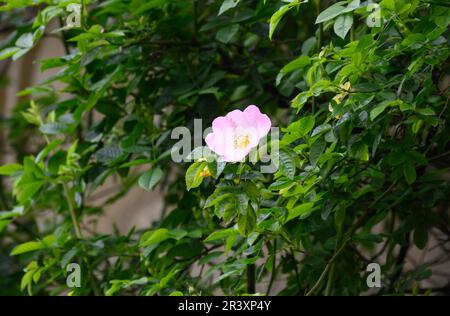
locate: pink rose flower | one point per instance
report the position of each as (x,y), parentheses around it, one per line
(237,133)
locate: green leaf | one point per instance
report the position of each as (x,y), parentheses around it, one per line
(388,4)
(68,257)
(360,151)
(216,167)
(409,172)
(426,111)
(316,150)
(149,179)
(330,13)
(229,243)
(108,154)
(7,170)
(420,237)
(220,234)
(302,210)
(178,233)
(8,52)
(28,190)
(225,34)
(352,6)
(298,63)
(33,245)
(300,100)
(279,185)
(143,6)
(277,16)
(379,109)
(416,157)
(4,224)
(217,197)
(247,222)
(287,163)
(299,129)
(154,237)
(25,41)
(227,5)
(396,158)
(52,145)
(53,128)
(26,280)
(137,162)
(193,174)
(242,201)
(343,24)
(17,211)
(226,210)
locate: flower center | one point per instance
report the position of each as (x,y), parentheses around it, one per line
(241,141)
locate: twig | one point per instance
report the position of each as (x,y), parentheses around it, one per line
(399,263)
(319,40)
(71,203)
(439,156)
(297,275)
(327,267)
(274,270)
(329,288)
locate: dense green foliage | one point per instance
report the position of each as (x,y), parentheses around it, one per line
(356,89)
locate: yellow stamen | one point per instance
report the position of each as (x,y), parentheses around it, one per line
(205,172)
(241,142)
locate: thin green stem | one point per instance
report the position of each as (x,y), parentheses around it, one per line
(352,32)
(327,268)
(71,203)
(274,268)
(83,15)
(319,39)
(330,282)
(195,13)
(94,286)
(297,275)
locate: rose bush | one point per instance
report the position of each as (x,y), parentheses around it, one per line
(358,89)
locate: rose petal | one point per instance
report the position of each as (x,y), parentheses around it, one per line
(222,123)
(215,144)
(260,121)
(238,118)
